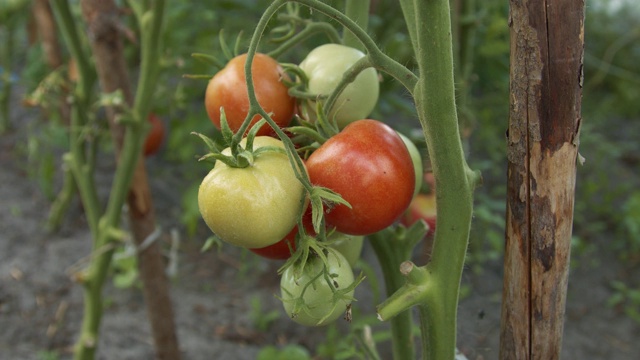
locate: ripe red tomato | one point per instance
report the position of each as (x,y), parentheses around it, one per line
(369,165)
(228,89)
(155,136)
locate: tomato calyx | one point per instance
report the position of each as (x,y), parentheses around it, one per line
(240,157)
(215,61)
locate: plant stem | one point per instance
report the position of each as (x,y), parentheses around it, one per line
(435,101)
(358,11)
(309,30)
(390,255)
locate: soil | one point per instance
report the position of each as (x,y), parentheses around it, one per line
(41,305)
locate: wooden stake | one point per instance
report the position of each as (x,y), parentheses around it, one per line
(547,39)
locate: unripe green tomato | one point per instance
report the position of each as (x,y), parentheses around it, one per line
(325,66)
(319,309)
(417,162)
(350,246)
(255,206)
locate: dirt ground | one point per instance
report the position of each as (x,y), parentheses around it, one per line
(41,307)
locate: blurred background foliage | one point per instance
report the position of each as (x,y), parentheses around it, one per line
(607,209)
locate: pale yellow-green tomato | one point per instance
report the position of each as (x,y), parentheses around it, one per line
(255,206)
(318,309)
(325,66)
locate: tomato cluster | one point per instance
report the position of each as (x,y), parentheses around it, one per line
(257,205)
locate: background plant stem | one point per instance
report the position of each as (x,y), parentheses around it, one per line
(358,11)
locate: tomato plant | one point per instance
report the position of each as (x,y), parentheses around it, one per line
(369,165)
(283,249)
(349,246)
(324,66)
(310,294)
(154,138)
(228,89)
(254,206)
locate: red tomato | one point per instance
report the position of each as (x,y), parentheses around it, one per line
(155,136)
(369,165)
(423,206)
(228,89)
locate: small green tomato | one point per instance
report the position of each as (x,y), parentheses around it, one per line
(325,66)
(313,287)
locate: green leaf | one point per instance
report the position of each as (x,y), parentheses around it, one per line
(210,144)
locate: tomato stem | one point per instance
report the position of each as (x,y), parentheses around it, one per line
(358,11)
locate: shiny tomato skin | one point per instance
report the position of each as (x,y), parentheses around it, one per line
(368,164)
(228,89)
(154,138)
(256,206)
(325,66)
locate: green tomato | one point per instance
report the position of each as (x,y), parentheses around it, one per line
(417,162)
(309,284)
(255,206)
(350,246)
(325,66)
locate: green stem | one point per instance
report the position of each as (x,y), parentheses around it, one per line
(63,200)
(358,11)
(150,22)
(150,25)
(390,256)
(435,101)
(380,60)
(310,29)
(70,33)
(409,13)
(102,228)
(348,77)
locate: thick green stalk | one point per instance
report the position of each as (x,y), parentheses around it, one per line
(435,101)
(104,229)
(409,13)
(150,24)
(358,11)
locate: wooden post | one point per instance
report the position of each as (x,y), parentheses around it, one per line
(547,39)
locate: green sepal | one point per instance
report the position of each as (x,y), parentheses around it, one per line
(227,133)
(320,195)
(211,145)
(223,45)
(208,59)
